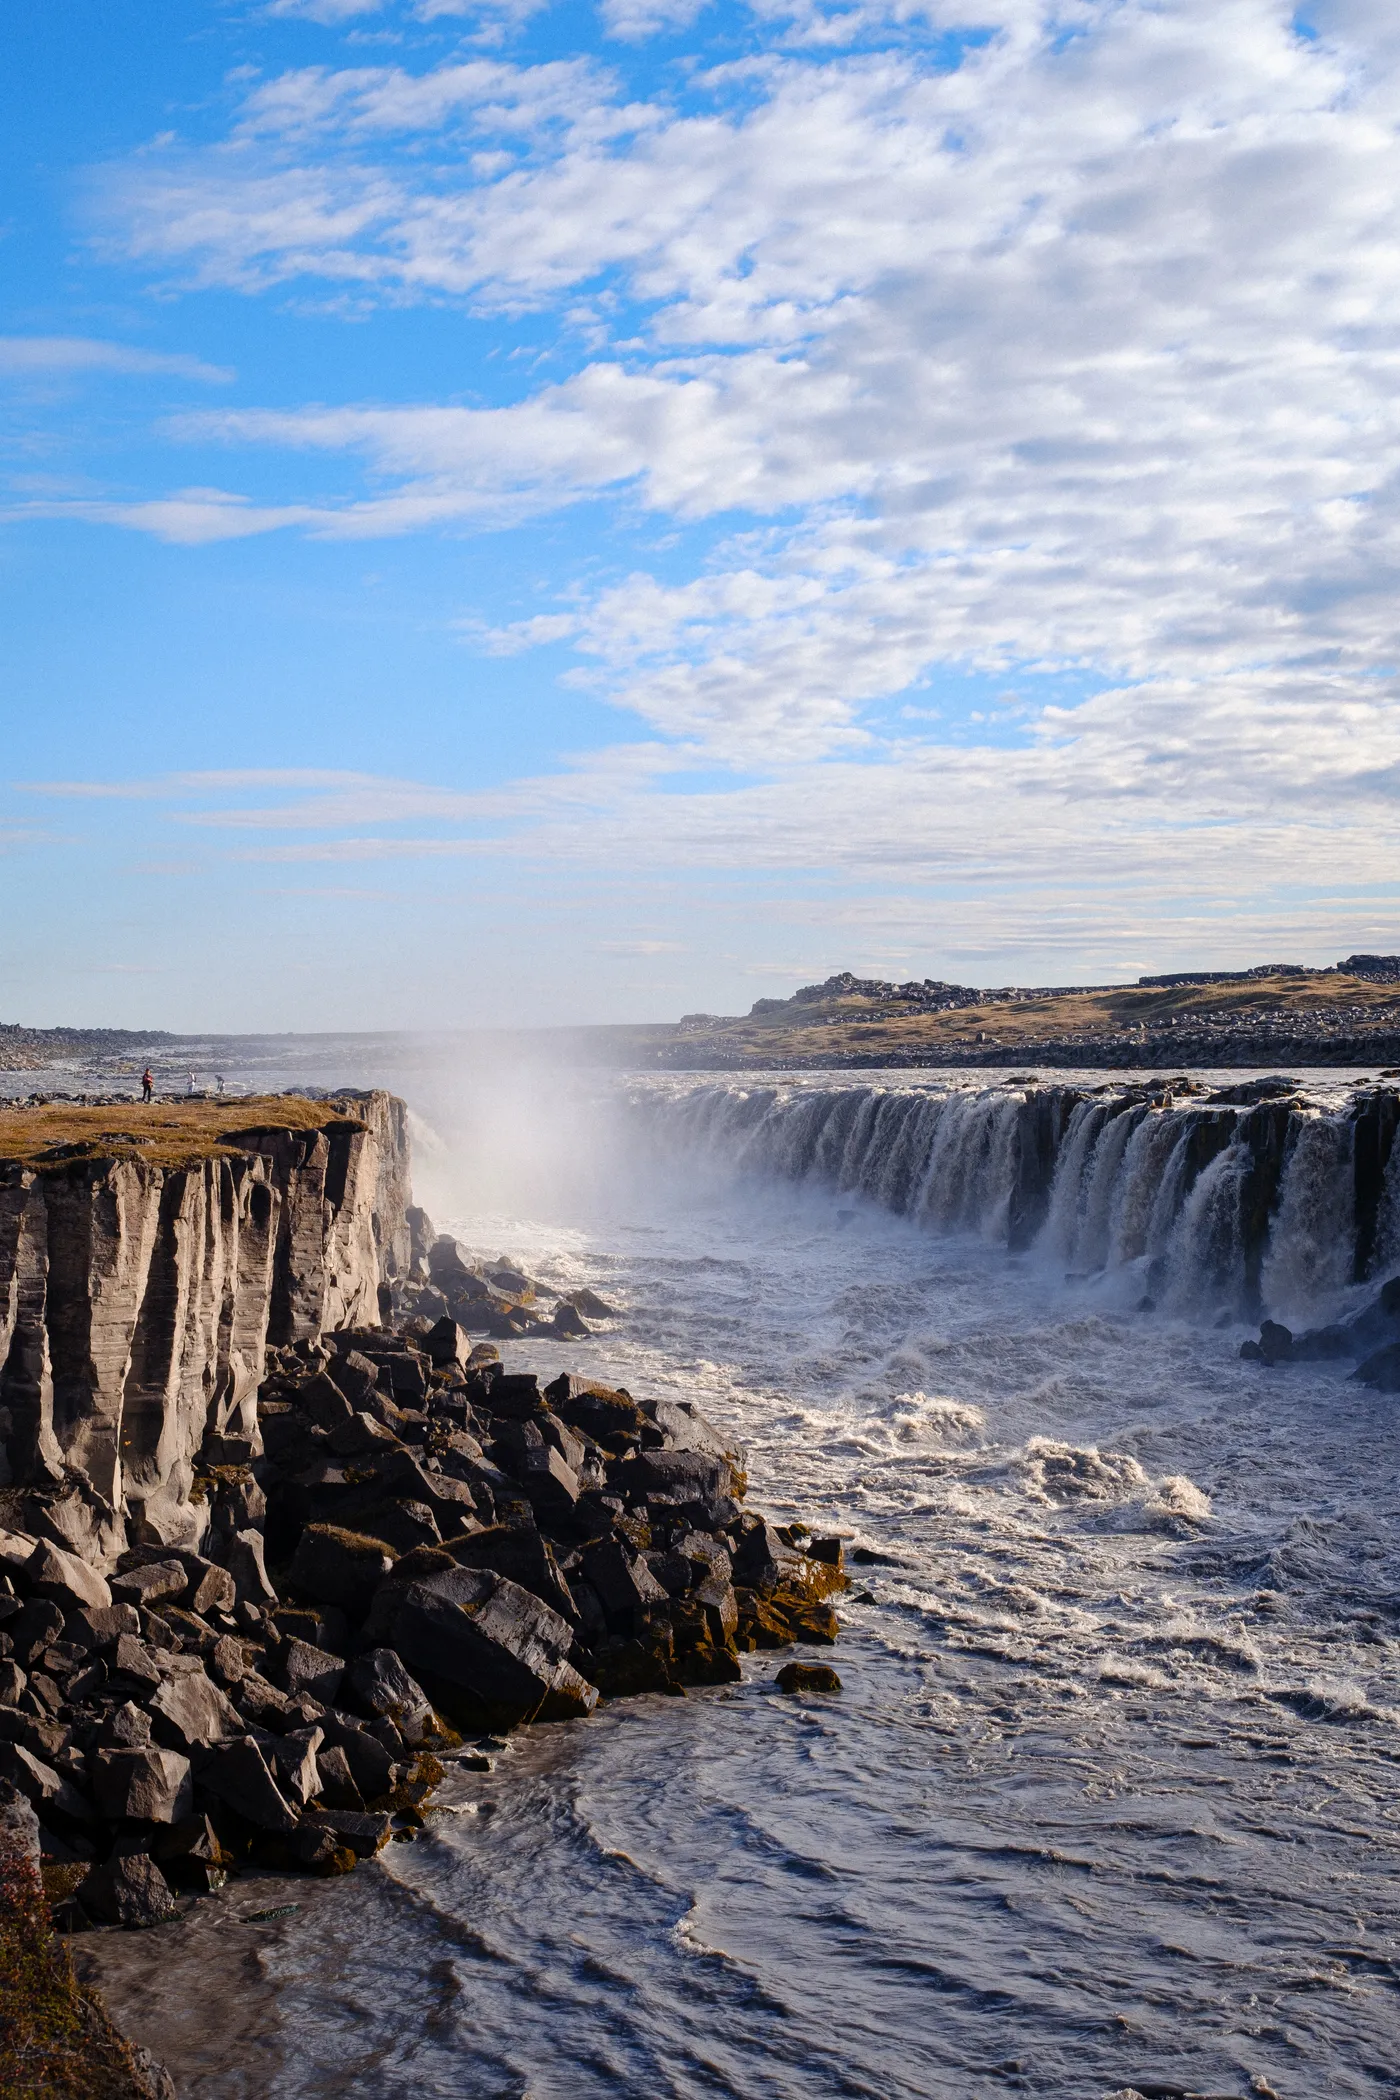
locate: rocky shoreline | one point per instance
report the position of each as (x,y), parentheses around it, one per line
(382,1550)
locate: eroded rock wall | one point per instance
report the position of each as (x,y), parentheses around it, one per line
(136,1301)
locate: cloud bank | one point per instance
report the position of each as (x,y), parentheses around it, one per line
(1065,339)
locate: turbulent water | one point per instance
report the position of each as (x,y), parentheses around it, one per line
(1111,1797)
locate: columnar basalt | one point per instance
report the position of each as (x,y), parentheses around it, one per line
(138,1294)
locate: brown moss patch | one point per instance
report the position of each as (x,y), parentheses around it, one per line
(166,1133)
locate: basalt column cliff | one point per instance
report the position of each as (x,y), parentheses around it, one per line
(147,1260)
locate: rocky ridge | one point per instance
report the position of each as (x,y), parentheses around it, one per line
(1346,1014)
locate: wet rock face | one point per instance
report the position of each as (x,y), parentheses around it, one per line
(137,1301)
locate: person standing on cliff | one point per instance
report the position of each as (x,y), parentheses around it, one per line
(147,1083)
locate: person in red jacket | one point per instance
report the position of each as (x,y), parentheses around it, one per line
(147,1082)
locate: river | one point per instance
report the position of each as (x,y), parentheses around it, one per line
(1109,1800)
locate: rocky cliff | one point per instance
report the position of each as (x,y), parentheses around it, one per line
(149,1257)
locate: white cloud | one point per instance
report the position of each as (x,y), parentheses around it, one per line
(494,17)
(60,356)
(329,12)
(634,20)
(1082,353)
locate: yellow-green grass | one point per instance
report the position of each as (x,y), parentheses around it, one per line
(167,1133)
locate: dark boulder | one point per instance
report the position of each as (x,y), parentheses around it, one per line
(682,1427)
(130,1890)
(623,1582)
(518,1552)
(448,1346)
(141,1786)
(237,1775)
(35,1627)
(189,1854)
(326,1402)
(152,1583)
(211,1588)
(610,1416)
(687,1476)
(370,1763)
(487,1650)
(320,1626)
(189,1712)
(307,1669)
(293,1761)
(356,1376)
(511,1395)
(761,1559)
(714,1599)
(407,1377)
(103,1625)
(66,1580)
(133,1664)
(540,1467)
(1381,1371)
(363,1436)
(808,1677)
(243,1557)
(337,1787)
(49,1792)
(404,1525)
(590,1305)
(363,1833)
(569,1324)
(1367,1332)
(378,1682)
(316,1847)
(333,1566)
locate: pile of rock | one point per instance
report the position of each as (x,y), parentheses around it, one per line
(494,1298)
(416,1542)
(1369,1338)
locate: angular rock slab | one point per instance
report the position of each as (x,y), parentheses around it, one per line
(65,1578)
(379,1682)
(486,1649)
(334,1566)
(309,1669)
(141,1786)
(128,1891)
(237,1774)
(190,1713)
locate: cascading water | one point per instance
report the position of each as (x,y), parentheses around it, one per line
(1254,1200)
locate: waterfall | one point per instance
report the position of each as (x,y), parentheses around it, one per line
(1308,1258)
(1269,1205)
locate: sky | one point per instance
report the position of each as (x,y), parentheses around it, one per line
(517,513)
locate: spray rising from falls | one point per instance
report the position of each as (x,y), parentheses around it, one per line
(1255,1199)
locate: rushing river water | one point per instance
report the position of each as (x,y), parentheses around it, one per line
(1111,1797)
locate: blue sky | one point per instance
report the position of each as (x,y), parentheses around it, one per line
(520,513)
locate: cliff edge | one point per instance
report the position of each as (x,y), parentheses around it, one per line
(149,1256)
